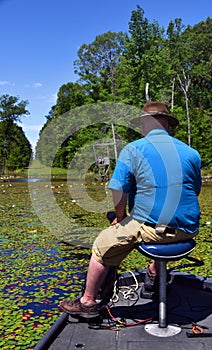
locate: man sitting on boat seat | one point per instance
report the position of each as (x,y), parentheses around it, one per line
(164,175)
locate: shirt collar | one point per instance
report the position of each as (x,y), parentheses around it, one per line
(157,132)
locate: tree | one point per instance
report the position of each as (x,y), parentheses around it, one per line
(70,95)
(141,55)
(191,61)
(116,67)
(98,61)
(200,41)
(11,112)
(173,33)
(20,150)
(184,84)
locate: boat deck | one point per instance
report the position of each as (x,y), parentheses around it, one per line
(189,300)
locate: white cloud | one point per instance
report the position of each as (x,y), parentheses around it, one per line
(37,85)
(6,82)
(53,98)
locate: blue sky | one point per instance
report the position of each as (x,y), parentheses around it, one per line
(40,39)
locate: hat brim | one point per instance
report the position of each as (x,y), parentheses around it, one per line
(174,122)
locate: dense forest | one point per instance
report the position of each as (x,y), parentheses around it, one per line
(115,69)
(15,149)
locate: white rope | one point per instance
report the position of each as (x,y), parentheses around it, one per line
(128,292)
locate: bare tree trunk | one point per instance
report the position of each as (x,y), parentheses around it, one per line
(147,91)
(172,100)
(189,121)
(114,143)
(185,86)
(2,166)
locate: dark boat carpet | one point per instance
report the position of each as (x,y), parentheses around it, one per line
(189,300)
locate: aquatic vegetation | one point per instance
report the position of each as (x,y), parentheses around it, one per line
(38,270)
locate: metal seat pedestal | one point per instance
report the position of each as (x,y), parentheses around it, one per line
(164,253)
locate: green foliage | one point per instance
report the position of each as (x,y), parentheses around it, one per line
(201,48)
(115,67)
(20,153)
(98,61)
(201,134)
(15,149)
(10,110)
(79,128)
(70,95)
(142,51)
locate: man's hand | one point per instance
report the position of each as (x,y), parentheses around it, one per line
(114,222)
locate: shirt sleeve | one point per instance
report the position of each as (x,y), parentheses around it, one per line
(198,170)
(123,177)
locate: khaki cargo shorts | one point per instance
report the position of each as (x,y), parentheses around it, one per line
(115,242)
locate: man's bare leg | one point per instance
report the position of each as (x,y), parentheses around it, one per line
(154,268)
(95,277)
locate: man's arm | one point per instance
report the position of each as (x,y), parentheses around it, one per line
(120,202)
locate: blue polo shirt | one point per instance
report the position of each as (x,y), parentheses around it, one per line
(161,176)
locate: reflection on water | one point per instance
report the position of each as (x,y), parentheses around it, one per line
(31,179)
(28,179)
